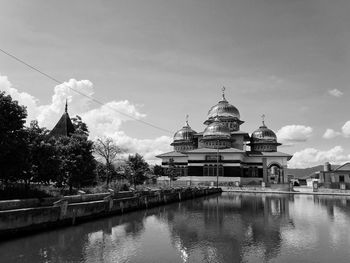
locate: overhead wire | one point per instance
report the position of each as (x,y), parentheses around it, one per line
(81,93)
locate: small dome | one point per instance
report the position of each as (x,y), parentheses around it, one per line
(184,134)
(223,109)
(263,134)
(217,129)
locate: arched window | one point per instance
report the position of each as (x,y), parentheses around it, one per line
(211,170)
(206,170)
(221,170)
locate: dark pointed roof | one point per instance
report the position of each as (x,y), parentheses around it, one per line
(64,126)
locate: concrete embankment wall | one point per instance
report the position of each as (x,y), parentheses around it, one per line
(74,209)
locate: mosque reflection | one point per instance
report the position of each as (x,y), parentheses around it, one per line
(226,228)
(340,203)
(230,225)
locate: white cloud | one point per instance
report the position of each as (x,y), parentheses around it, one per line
(291,134)
(22,97)
(103,121)
(311,157)
(330,134)
(106,122)
(78,104)
(335,92)
(346,129)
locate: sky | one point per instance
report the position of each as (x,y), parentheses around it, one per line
(160,60)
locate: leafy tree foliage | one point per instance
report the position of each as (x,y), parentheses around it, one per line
(30,154)
(105,173)
(171,170)
(77,164)
(42,159)
(158,170)
(80,127)
(12,139)
(137,169)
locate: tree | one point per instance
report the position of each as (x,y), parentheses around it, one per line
(80,127)
(12,139)
(108,151)
(77,164)
(158,170)
(103,172)
(138,169)
(171,170)
(42,164)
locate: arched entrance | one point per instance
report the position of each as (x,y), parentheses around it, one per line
(275,173)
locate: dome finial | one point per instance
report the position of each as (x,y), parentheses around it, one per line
(263,119)
(223,93)
(66,107)
(187,119)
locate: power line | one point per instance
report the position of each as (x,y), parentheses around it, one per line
(81,93)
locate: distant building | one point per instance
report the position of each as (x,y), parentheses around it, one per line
(64,126)
(220,150)
(333,178)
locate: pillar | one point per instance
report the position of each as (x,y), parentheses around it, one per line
(265,173)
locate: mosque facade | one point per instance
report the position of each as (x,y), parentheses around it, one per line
(223,154)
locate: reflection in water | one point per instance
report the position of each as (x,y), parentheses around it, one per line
(226,228)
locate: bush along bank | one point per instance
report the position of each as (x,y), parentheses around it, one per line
(19,217)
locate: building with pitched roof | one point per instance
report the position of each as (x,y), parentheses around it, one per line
(334,178)
(219,154)
(64,126)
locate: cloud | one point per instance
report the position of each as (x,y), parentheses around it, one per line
(22,97)
(335,92)
(330,134)
(103,121)
(311,157)
(48,114)
(106,122)
(346,129)
(291,134)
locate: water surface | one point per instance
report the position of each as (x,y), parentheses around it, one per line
(224,228)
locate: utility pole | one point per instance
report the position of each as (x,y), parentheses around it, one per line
(217,165)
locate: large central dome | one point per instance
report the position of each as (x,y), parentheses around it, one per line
(223,109)
(226,113)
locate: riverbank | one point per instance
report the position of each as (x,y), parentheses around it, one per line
(296,190)
(19,217)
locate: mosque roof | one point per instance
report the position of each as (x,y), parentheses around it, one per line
(171,154)
(270,154)
(264,135)
(214,150)
(184,134)
(223,109)
(232,132)
(217,129)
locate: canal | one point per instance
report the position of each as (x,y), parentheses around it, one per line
(221,228)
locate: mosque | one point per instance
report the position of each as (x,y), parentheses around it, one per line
(223,154)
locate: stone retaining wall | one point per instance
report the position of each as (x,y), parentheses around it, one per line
(71,210)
